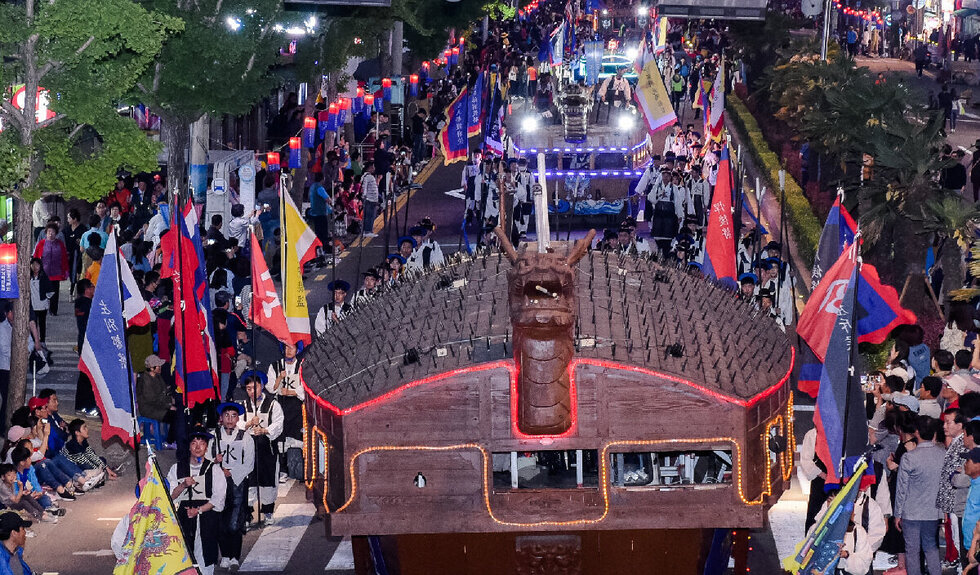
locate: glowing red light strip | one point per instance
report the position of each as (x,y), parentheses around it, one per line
(512,368)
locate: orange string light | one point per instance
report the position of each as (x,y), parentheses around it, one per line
(604,473)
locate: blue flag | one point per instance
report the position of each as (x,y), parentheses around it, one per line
(837,232)
(453,135)
(104,357)
(593,61)
(839,416)
(475,108)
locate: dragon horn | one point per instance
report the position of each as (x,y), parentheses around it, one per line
(581,247)
(505,244)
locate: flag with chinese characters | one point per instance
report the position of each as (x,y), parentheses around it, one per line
(104,353)
(719,242)
(453,134)
(474,112)
(266,311)
(153,541)
(652,99)
(716,112)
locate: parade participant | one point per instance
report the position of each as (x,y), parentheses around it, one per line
(507,143)
(609,241)
(697,193)
(235,452)
(263,420)
(198,490)
(523,200)
(285,385)
(335,310)
(747,283)
(667,212)
(396,264)
(406,246)
(614,91)
(781,291)
(13,536)
(369,289)
(428,253)
(474,186)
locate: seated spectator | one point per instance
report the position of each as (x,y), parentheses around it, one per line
(26,475)
(79,452)
(14,496)
(153,395)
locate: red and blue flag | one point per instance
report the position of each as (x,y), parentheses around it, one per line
(878,309)
(839,415)
(183,263)
(453,135)
(719,251)
(837,233)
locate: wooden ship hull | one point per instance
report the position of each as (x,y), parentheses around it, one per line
(428,457)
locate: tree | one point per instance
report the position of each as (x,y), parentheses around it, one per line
(219,64)
(85,54)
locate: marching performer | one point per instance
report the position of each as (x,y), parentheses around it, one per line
(285,385)
(198,490)
(263,421)
(234,451)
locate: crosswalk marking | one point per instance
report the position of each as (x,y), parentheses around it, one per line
(343,557)
(278,542)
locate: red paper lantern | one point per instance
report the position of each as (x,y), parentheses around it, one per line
(386,82)
(360,92)
(345,104)
(425,65)
(461,40)
(414,78)
(295,143)
(456,51)
(272,159)
(309,123)
(332,108)
(369,100)
(8,253)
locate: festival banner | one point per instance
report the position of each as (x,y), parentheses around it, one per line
(453,134)
(837,233)
(716,114)
(654,103)
(266,311)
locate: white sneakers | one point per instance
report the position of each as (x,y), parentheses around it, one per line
(269,520)
(227,563)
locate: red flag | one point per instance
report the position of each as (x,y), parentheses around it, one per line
(266,311)
(820,314)
(719,251)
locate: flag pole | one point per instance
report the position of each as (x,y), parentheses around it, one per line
(129,360)
(851,347)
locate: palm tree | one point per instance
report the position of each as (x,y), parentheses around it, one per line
(953,222)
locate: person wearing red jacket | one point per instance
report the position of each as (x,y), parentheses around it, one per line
(53,254)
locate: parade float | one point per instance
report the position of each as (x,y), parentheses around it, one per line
(549,410)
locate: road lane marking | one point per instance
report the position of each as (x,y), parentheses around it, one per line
(343,557)
(278,542)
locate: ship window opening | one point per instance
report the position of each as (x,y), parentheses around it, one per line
(670,468)
(566,469)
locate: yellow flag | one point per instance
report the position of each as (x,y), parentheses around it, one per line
(153,541)
(651,95)
(299,245)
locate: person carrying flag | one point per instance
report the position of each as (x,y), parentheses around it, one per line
(263,420)
(234,451)
(198,489)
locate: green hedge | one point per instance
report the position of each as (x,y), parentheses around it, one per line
(806,227)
